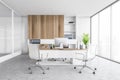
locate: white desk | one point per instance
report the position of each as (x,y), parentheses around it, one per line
(65,53)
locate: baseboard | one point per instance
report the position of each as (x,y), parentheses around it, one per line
(108,59)
(10,56)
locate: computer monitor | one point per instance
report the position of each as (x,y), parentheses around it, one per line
(64,41)
(35,41)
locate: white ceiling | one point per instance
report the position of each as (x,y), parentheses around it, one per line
(4,11)
(55,7)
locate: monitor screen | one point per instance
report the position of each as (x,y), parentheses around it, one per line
(64,41)
(35,41)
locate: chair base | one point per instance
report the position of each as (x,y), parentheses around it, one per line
(85,66)
(39,66)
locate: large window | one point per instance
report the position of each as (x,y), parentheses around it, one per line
(5,30)
(94,30)
(105,27)
(104,33)
(10,30)
(115,53)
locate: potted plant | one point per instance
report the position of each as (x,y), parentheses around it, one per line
(52,46)
(85,39)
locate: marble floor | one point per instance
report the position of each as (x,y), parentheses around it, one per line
(17,69)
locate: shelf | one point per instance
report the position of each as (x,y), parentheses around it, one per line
(70,27)
(69,24)
(69,31)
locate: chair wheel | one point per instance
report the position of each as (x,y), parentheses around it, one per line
(95,68)
(93,72)
(29,68)
(30,72)
(80,72)
(48,68)
(43,73)
(74,67)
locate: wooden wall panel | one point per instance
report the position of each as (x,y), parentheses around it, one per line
(56,19)
(30,27)
(43,27)
(50,26)
(39,26)
(61,26)
(36,27)
(46,26)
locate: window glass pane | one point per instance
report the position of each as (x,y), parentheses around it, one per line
(5,30)
(104,33)
(94,29)
(115,54)
(18,32)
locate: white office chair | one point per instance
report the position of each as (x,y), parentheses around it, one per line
(89,55)
(34,54)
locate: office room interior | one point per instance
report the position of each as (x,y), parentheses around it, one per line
(59,40)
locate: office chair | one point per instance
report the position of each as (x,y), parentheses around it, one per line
(34,54)
(89,55)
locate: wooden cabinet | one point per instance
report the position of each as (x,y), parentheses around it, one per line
(46,26)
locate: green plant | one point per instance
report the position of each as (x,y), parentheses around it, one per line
(52,45)
(85,39)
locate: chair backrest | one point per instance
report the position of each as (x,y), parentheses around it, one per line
(34,51)
(91,51)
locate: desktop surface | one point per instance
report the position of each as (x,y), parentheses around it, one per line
(61,49)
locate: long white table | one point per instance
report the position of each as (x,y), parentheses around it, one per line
(62,53)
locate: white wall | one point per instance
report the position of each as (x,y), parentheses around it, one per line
(82,26)
(25,35)
(20,35)
(18,28)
